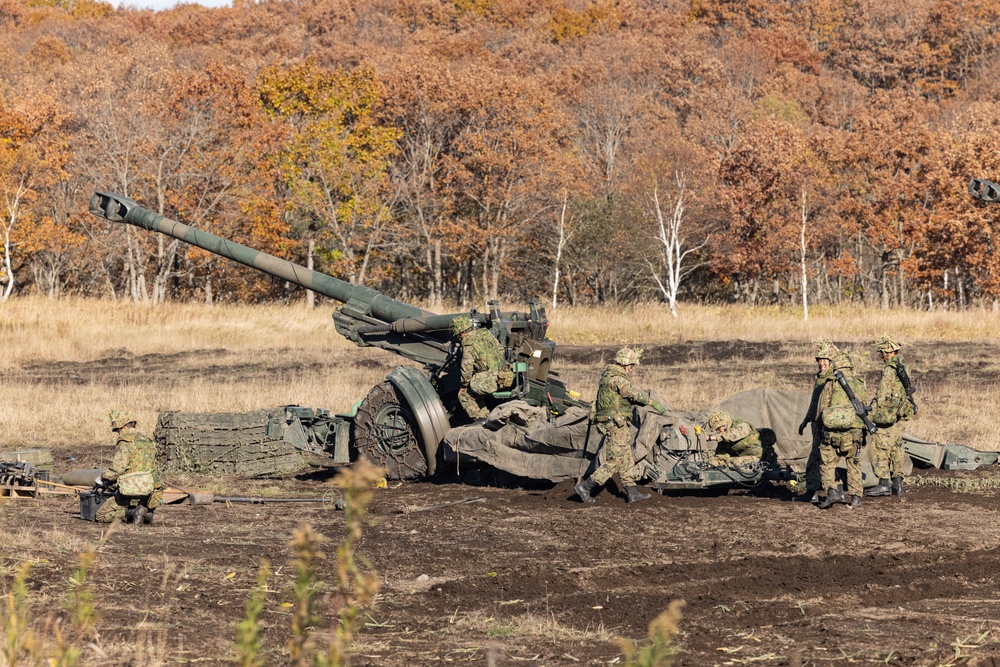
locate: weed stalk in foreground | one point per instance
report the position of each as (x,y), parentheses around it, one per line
(248,645)
(306,545)
(357,584)
(83,615)
(18,639)
(660,650)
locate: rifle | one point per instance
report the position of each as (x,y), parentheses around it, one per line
(860,409)
(904,377)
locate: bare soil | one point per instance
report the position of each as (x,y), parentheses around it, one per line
(531,575)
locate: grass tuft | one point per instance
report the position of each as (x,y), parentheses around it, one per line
(659,650)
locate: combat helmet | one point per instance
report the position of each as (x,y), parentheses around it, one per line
(843,360)
(120,419)
(628,356)
(461,324)
(719,419)
(826,350)
(886,344)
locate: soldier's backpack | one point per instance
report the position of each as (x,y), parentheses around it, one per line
(136,483)
(839,418)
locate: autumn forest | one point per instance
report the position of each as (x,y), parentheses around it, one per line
(573,151)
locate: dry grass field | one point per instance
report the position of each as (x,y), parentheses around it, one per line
(66,363)
(529,576)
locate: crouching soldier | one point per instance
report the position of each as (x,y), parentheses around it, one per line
(612,411)
(483,369)
(739,442)
(133,468)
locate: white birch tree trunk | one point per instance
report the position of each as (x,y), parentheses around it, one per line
(563,238)
(802,246)
(673,245)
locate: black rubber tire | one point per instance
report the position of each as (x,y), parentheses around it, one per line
(385,433)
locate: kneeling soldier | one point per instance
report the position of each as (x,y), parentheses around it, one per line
(739,442)
(133,469)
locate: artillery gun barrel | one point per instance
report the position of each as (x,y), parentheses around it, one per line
(985,190)
(117,208)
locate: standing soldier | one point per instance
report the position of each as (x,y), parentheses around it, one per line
(890,406)
(133,469)
(612,410)
(739,442)
(843,431)
(825,354)
(484,370)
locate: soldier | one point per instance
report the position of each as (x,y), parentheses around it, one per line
(739,442)
(826,352)
(843,432)
(484,370)
(889,407)
(139,487)
(612,411)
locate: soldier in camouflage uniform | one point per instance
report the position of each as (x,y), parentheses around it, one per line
(739,442)
(889,407)
(612,411)
(484,370)
(843,432)
(825,354)
(134,470)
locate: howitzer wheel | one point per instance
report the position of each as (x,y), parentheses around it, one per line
(385,432)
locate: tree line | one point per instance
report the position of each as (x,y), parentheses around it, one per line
(577,151)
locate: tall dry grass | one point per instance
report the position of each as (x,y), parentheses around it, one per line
(34,329)
(653,324)
(65,363)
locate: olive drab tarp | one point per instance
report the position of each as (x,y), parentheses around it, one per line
(517,438)
(782,412)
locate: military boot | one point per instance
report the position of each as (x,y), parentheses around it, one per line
(881,489)
(807,497)
(833,496)
(633,495)
(148,517)
(135,514)
(854,503)
(897,486)
(583,489)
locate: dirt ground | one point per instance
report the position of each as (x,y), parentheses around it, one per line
(529,575)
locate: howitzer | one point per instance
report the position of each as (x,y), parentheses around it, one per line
(401,422)
(860,409)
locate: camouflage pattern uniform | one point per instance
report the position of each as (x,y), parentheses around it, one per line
(838,443)
(483,369)
(133,453)
(739,442)
(889,407)
(612,412)
(814,479)
(615,397)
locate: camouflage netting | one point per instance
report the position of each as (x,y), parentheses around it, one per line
(261,443)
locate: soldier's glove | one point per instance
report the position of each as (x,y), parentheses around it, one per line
(802,426)
(659,407)
(99,483)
